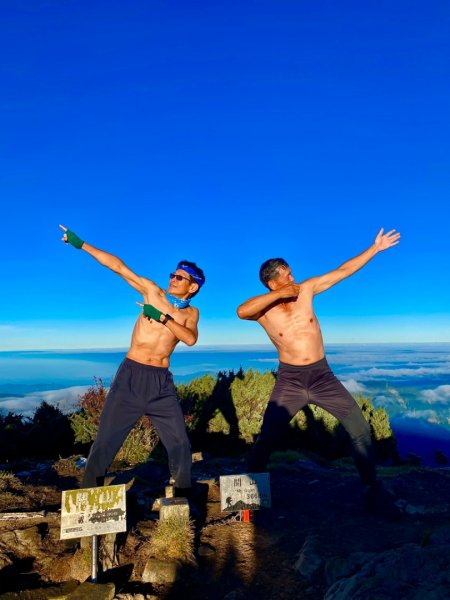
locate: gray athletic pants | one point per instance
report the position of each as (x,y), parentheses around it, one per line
(297,386)
(140,390)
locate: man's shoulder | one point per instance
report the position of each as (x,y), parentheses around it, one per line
(151,286)
(307,283)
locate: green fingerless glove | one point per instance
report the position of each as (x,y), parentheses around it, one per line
(152,312)
(74,240)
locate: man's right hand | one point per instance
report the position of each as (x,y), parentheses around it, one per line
(290,290)
(71,238)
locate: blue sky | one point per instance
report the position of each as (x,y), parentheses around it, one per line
(226,133)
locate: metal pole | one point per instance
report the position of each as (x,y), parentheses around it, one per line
(94,558)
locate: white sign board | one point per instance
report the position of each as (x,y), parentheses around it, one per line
(93,511)
(250,491)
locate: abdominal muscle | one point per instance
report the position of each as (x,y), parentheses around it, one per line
(151,343)
(296,334)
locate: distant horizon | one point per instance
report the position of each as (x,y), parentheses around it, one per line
(409,380)
(223,347)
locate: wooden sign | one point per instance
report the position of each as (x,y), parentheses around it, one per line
(249,491)
(93,511)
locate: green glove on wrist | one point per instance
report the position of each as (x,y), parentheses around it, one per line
(74,240)
(151,312)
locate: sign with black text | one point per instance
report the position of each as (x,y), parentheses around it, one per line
(93,511)
(249,491)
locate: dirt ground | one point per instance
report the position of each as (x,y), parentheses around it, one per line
(311,499)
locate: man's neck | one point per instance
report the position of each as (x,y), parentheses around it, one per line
(178,302)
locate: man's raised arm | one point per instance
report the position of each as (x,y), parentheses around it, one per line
(255,307)
(383,241)
(106,259)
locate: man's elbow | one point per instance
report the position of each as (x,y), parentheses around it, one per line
(242,313)
(191,341)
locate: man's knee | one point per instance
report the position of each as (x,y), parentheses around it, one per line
(356,425)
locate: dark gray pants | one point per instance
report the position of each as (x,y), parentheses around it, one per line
(139,390)
(296,386)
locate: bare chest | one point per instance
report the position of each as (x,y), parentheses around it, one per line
(287,319)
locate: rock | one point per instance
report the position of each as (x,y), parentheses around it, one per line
(410,571)
(61,592)
(441,536)
(24,542)
(174,507)
(235,595)
(160,571)
(94,591)
(75,566)
(345,566)
(107,551)
(309,562)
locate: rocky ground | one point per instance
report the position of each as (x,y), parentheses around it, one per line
(316,542)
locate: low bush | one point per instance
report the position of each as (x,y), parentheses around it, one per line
(141,440)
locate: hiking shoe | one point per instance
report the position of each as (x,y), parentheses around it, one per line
(379,501)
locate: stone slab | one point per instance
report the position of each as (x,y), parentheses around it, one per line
(173,507)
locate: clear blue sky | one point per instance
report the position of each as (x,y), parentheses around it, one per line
(223,132)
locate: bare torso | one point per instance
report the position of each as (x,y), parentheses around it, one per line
(294,329)
(151,342)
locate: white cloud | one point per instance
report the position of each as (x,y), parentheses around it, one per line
(265,360)
(376,373)
(440,395)
(65,399)
(424,415)
(393,399)
(353,386)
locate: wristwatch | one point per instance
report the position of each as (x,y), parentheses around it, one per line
(166,318)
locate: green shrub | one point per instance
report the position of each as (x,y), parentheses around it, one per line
(194,398)
(249,394)
(141,440)
(232,404)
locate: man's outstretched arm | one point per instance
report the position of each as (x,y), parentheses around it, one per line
(255,307)
(106,259)
(383,241)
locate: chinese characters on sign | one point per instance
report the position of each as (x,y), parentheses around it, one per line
(93,511)
(250,491)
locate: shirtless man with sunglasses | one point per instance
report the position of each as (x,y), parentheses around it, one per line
(143,384)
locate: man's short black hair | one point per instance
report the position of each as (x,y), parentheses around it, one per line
(198,277)
(269,270)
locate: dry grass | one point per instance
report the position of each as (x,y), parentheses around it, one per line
(173,539)
(8,481)
(66,467)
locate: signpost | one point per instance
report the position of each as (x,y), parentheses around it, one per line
(93,512)
(249,491)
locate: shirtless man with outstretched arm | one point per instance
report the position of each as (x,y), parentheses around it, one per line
(143,383)
(286,314)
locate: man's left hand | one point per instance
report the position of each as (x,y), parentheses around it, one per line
(383,241)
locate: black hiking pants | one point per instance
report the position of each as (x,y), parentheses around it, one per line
(139,390)
(297,386)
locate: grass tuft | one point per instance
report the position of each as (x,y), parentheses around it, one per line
(173,539)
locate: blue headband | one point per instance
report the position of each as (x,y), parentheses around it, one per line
(195,276)
(177,302)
